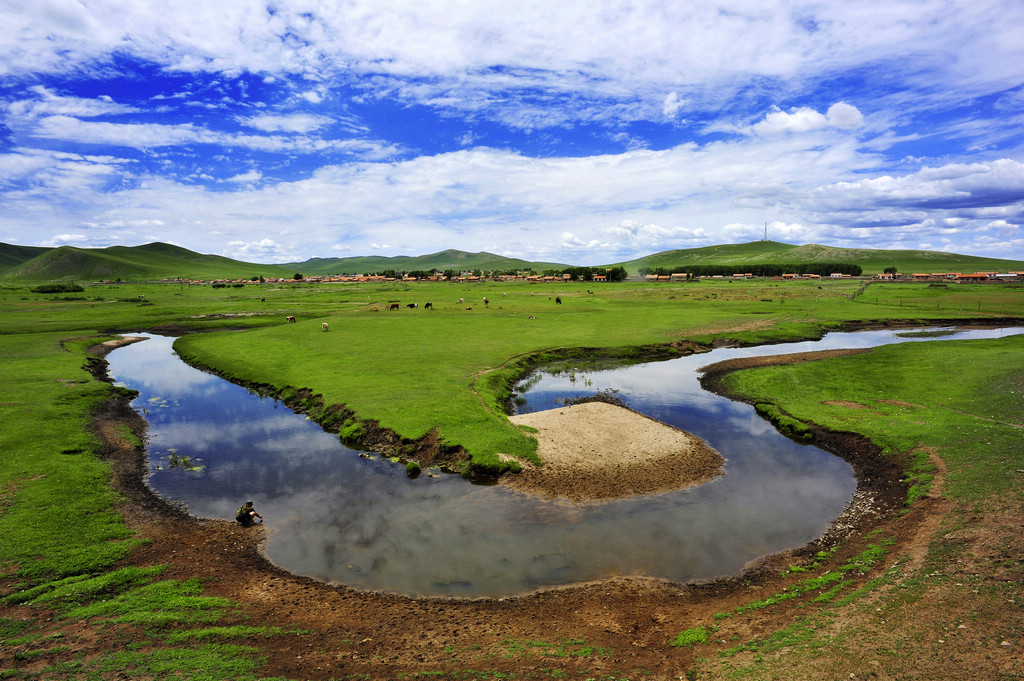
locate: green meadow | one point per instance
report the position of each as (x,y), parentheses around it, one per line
(416,371)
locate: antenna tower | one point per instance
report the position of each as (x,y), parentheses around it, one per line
(765,231)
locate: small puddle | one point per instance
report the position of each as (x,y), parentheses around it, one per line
(337,516)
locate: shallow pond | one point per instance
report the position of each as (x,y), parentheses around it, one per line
(335,515)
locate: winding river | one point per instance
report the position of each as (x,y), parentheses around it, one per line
(339,516)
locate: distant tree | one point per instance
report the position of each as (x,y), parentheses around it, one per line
(890,270)
(298,276)
(617,273)
(57,288)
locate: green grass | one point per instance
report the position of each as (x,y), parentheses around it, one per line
(962,398)
(450,368)
(447,369)
(61,538)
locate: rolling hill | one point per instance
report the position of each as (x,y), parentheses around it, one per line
(871,261)
(147,262)
(159,261)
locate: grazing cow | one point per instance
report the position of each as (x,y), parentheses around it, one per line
(428,306)
(532,317)
(469,308)
(462,300)
(289,319)
(394,306)
(558,300)
(325,326)
(486,302)
(411,306)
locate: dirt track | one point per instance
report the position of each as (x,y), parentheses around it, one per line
(381,635)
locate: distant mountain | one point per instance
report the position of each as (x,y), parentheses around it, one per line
(159,261)
(871,261)
(444,260)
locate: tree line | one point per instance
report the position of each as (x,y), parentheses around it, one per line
(822,269)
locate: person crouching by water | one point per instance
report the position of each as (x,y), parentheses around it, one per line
(247,515)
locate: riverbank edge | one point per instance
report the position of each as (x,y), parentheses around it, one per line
(879,494)
(495,390)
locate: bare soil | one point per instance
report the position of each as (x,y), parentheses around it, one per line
(598,451)
(629,620)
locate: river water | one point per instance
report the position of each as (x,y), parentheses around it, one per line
(339,516)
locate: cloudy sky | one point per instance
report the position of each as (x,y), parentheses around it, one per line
(578,132)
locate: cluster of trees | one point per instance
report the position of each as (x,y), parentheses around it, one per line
(617,273)
(57,288)
(575,273)
(766,270)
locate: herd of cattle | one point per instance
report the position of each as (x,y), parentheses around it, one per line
(412,306)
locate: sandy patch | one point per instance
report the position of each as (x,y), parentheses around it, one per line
(599,451)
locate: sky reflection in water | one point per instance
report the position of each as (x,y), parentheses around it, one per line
(363,522)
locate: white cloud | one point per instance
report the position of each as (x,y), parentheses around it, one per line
(251,176)
(264,250)
(64,240)
(156,135)
(48,103)
(672,104)
(298,122)
(841,116)
(455,49)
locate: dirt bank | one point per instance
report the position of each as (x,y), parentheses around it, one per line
(603,451)
(352,634)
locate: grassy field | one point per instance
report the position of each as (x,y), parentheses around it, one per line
(433,368)
(958,406)
(415,370)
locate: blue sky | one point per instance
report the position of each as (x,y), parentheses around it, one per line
(586,133)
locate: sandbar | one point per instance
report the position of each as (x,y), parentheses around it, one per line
(598,451)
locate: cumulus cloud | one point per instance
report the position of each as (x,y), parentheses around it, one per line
(840,116)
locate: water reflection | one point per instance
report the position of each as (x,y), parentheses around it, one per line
(341,517)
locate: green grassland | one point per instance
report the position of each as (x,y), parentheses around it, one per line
(963,397)
(961,402)
(414,371)
(450,368)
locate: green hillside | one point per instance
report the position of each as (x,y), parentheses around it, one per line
(11,256)
(148,262)
(871,261)
(450,259)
